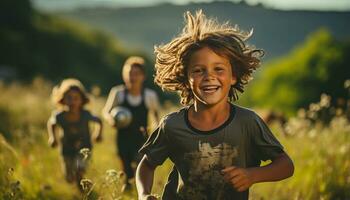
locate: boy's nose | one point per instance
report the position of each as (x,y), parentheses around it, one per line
(209,75)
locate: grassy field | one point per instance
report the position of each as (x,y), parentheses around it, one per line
(30,169)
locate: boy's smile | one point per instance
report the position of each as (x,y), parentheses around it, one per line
(210,77)
(209,89)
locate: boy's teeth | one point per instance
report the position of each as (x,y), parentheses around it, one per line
(210,87)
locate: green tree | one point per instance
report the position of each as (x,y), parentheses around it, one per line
(320,65)
(37,44)
(15,14)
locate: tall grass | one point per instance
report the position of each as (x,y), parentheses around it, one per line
(322,164)
(30,169)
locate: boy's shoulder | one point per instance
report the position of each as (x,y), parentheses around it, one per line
(86,112)
(57,116)
(58,113)
(150,94)
(118,88)
(245,114)
(174,118)
(149,90)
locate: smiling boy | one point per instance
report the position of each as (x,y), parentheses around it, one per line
(215,145)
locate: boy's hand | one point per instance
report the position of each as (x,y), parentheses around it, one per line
(98,138)
(148,197)
(240,178)
(52,142)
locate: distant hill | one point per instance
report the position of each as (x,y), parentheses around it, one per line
(37,44)
(275,31)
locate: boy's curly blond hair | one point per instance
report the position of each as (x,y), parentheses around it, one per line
(60,90)
(172,58)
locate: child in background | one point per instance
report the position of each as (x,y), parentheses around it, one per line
(215,145)
(140,101)
(70,115)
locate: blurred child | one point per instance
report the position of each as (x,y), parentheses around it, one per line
(139,101)
(215,145)
(70,115)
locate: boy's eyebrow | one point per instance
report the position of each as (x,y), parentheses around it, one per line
(221,63)
(215,63)
(197,65)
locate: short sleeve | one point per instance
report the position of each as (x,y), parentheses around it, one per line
(53,119)
(156,147)
(56,118)
(152,100)
(111,100)
(90,117)
(266,145)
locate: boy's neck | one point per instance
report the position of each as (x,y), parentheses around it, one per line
(207,118)
(134,90)
(73,111)
(217,108)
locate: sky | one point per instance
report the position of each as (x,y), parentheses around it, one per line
(324,5)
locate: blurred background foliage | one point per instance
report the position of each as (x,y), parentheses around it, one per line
(35,44)
(320,65)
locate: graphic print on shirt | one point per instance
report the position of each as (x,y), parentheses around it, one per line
(205,180)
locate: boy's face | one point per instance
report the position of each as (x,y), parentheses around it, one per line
(210,77)
(133,76)
(73,99)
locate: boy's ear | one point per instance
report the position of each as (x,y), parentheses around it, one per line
(234,77)
(233,80)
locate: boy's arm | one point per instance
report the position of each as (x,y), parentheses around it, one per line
(242,178)
(154,105)
(98,129)
(156,116)
(144,179)
(110,103)
(51,129)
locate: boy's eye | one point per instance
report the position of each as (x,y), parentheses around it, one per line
(219,69)
(197,71)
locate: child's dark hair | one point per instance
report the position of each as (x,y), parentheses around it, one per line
(67,85)
(172,58)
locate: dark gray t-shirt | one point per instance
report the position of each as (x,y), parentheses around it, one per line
(244,140)
(76,135)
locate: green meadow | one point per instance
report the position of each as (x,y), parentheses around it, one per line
(30,169)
